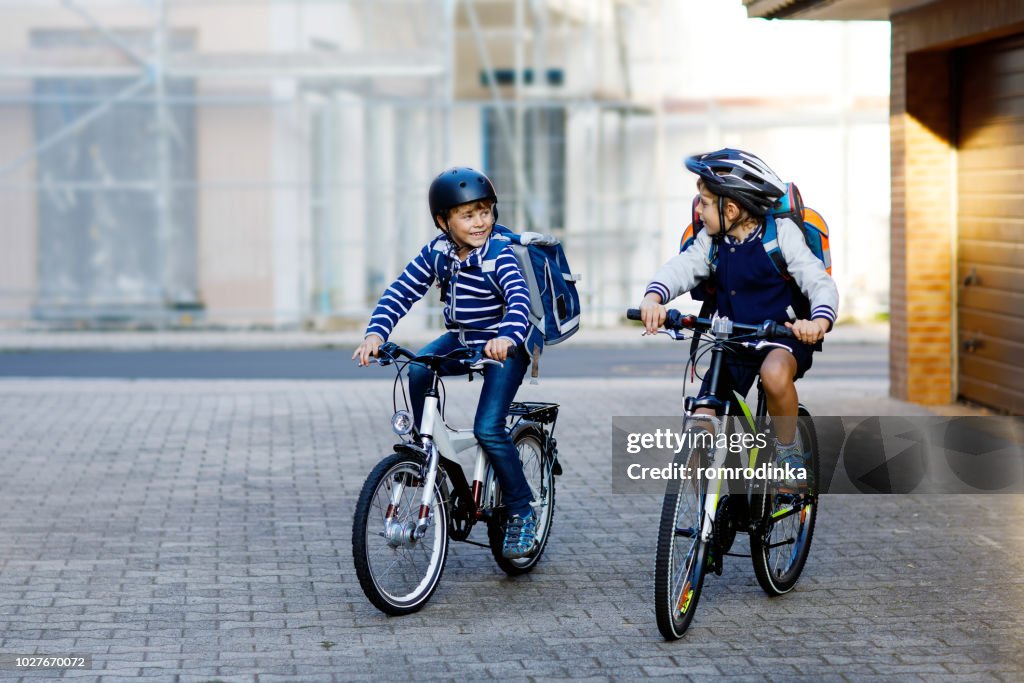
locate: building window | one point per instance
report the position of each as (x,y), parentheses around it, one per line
(543,165)
(102,250)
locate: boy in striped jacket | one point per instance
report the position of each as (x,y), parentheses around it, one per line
(463,206)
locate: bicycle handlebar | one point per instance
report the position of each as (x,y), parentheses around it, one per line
(473,358)
(388,352)
(676,320)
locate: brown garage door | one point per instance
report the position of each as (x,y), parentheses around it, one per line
(990,257)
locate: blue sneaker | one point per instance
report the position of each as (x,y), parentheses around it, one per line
(798,462)
(520,536)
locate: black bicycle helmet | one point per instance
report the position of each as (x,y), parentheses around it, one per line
(459,185)
(741,176)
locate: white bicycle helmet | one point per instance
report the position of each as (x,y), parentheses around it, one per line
(741,176)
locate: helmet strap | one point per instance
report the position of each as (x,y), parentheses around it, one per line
(448,233)
(721,218)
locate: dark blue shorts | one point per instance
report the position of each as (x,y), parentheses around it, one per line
(740,369)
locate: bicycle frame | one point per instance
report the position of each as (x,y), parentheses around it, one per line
(722,422)
(724,425)
(441,444)
(421,495)
(439,441)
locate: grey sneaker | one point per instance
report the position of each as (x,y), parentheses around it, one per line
(794,457)
(520,536)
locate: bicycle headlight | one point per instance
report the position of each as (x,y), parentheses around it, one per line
(401,423)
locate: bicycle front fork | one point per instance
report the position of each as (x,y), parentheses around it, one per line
(713,426)
(399,533)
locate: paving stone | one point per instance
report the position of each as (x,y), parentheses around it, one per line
(202,530)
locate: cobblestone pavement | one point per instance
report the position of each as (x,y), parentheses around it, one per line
(200,531)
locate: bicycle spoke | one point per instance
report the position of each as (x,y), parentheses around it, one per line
(684,565)
(391,566)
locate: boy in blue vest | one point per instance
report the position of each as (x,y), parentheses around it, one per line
(463,204)
(737,190)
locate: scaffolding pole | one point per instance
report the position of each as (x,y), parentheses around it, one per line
(161,197)
(512,140)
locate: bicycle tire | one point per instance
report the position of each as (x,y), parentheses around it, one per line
(372,554)
(678,573)
(786,520)
(538,466)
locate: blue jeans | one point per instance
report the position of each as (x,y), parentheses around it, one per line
(500,386)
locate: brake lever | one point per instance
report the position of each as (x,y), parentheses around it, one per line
(479,363)
(386,354)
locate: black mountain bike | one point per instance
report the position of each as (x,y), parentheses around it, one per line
(699,521)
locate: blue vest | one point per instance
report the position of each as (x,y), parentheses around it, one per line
(750,288)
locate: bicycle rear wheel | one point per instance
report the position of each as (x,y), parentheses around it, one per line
(397,571)
(681,559)
(538,467)
(780,549)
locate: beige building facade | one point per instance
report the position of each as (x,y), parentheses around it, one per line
(248,162)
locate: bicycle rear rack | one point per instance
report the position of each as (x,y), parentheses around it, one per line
(542,413)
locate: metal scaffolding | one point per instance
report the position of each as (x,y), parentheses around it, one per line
(162,57)
(241,162)
(150,50)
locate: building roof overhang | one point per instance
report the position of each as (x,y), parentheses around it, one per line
(847,10)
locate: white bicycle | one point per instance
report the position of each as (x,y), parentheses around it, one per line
(417,499)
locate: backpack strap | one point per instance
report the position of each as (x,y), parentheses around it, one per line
(707,308)
(770,241)
(535,314)
(439,261)
(489,264)
(533,342)
(709,304)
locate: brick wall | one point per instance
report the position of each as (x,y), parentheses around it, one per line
(921,355)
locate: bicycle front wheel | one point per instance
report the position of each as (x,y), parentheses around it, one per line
(681,560)
(398,570)
(780,548)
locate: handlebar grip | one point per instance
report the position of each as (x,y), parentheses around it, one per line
(774,330)
(391,351)
(674,320)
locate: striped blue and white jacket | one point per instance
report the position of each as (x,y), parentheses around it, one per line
(473,308)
